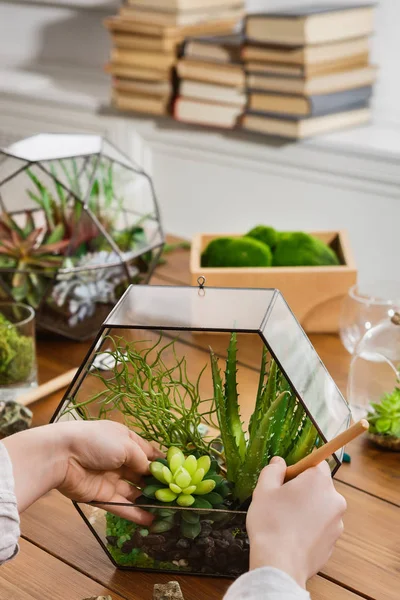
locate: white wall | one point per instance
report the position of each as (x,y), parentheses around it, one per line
(208,181)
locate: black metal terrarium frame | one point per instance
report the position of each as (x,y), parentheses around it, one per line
(263,312)
(90,160)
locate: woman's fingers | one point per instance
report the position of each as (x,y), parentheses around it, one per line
(151,452)
(130,492)
(136,459)
(127,511)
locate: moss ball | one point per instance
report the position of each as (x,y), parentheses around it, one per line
(236,252)
(264,234)
(301,249)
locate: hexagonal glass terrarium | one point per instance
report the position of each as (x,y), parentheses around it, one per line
(219,379)
(79,223)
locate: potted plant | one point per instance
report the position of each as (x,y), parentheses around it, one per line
(384,421)
(215,444)
(87,227)
(313,270)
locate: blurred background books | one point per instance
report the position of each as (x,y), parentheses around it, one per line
(294,73)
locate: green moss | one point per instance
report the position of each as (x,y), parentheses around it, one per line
(123,531)
(301,249)
(264,234)
(139,559)
(236,252)
(17,354)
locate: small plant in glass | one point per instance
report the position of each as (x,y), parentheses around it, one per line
(79,224)
(252,387)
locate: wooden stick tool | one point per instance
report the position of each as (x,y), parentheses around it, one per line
(324,452)
(50,387)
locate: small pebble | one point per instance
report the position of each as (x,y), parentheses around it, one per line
(346,458)
(167,591)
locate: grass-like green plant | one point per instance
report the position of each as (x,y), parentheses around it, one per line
(279,425)
(159,402)
(384,418)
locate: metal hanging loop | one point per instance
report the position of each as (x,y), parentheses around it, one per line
(201,281)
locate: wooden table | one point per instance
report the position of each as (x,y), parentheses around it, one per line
(60,559)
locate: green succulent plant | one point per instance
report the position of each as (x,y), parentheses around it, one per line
(384,419)
(182,478)
(236,252)
(189,482)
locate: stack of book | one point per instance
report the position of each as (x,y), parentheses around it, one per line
(146,36)
(308,70)
(211,81)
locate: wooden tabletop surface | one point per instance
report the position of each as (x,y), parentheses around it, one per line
(61,560)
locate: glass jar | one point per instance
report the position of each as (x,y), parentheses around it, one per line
(365,306)
(18,371)
(375,366)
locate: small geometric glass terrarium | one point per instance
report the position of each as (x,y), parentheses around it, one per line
(220,380)
(79,223)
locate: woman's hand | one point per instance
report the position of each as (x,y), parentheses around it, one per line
(294,526)
(85,461)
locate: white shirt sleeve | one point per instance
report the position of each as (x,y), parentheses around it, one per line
(266,583)
(9,517)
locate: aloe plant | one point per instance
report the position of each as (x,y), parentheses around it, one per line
(279,425)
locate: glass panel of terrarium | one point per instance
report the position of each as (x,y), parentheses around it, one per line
(51,146)
(84,294)
(136,547)
(9,167)
(111,152)
(135,373)
(72,176)
(168,307)
(305,370)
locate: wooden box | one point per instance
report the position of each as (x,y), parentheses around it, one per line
(314,294)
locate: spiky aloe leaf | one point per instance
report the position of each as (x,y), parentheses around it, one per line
(285,436)
(266,394)
(304,444)
(231,398)
(232,458)
(280,428)
(259,399)
(258,451)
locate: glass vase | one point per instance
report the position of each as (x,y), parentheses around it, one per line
(17,350)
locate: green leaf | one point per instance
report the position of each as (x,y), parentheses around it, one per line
(213,498)
(383,425)
(161,526)
(190,530)
(305,443)
(201,503)
(232,458)
(257,452)
(56,235)
(231,398)
(150,490)
(190,516)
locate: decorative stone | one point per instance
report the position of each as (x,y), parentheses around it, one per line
(167,591)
